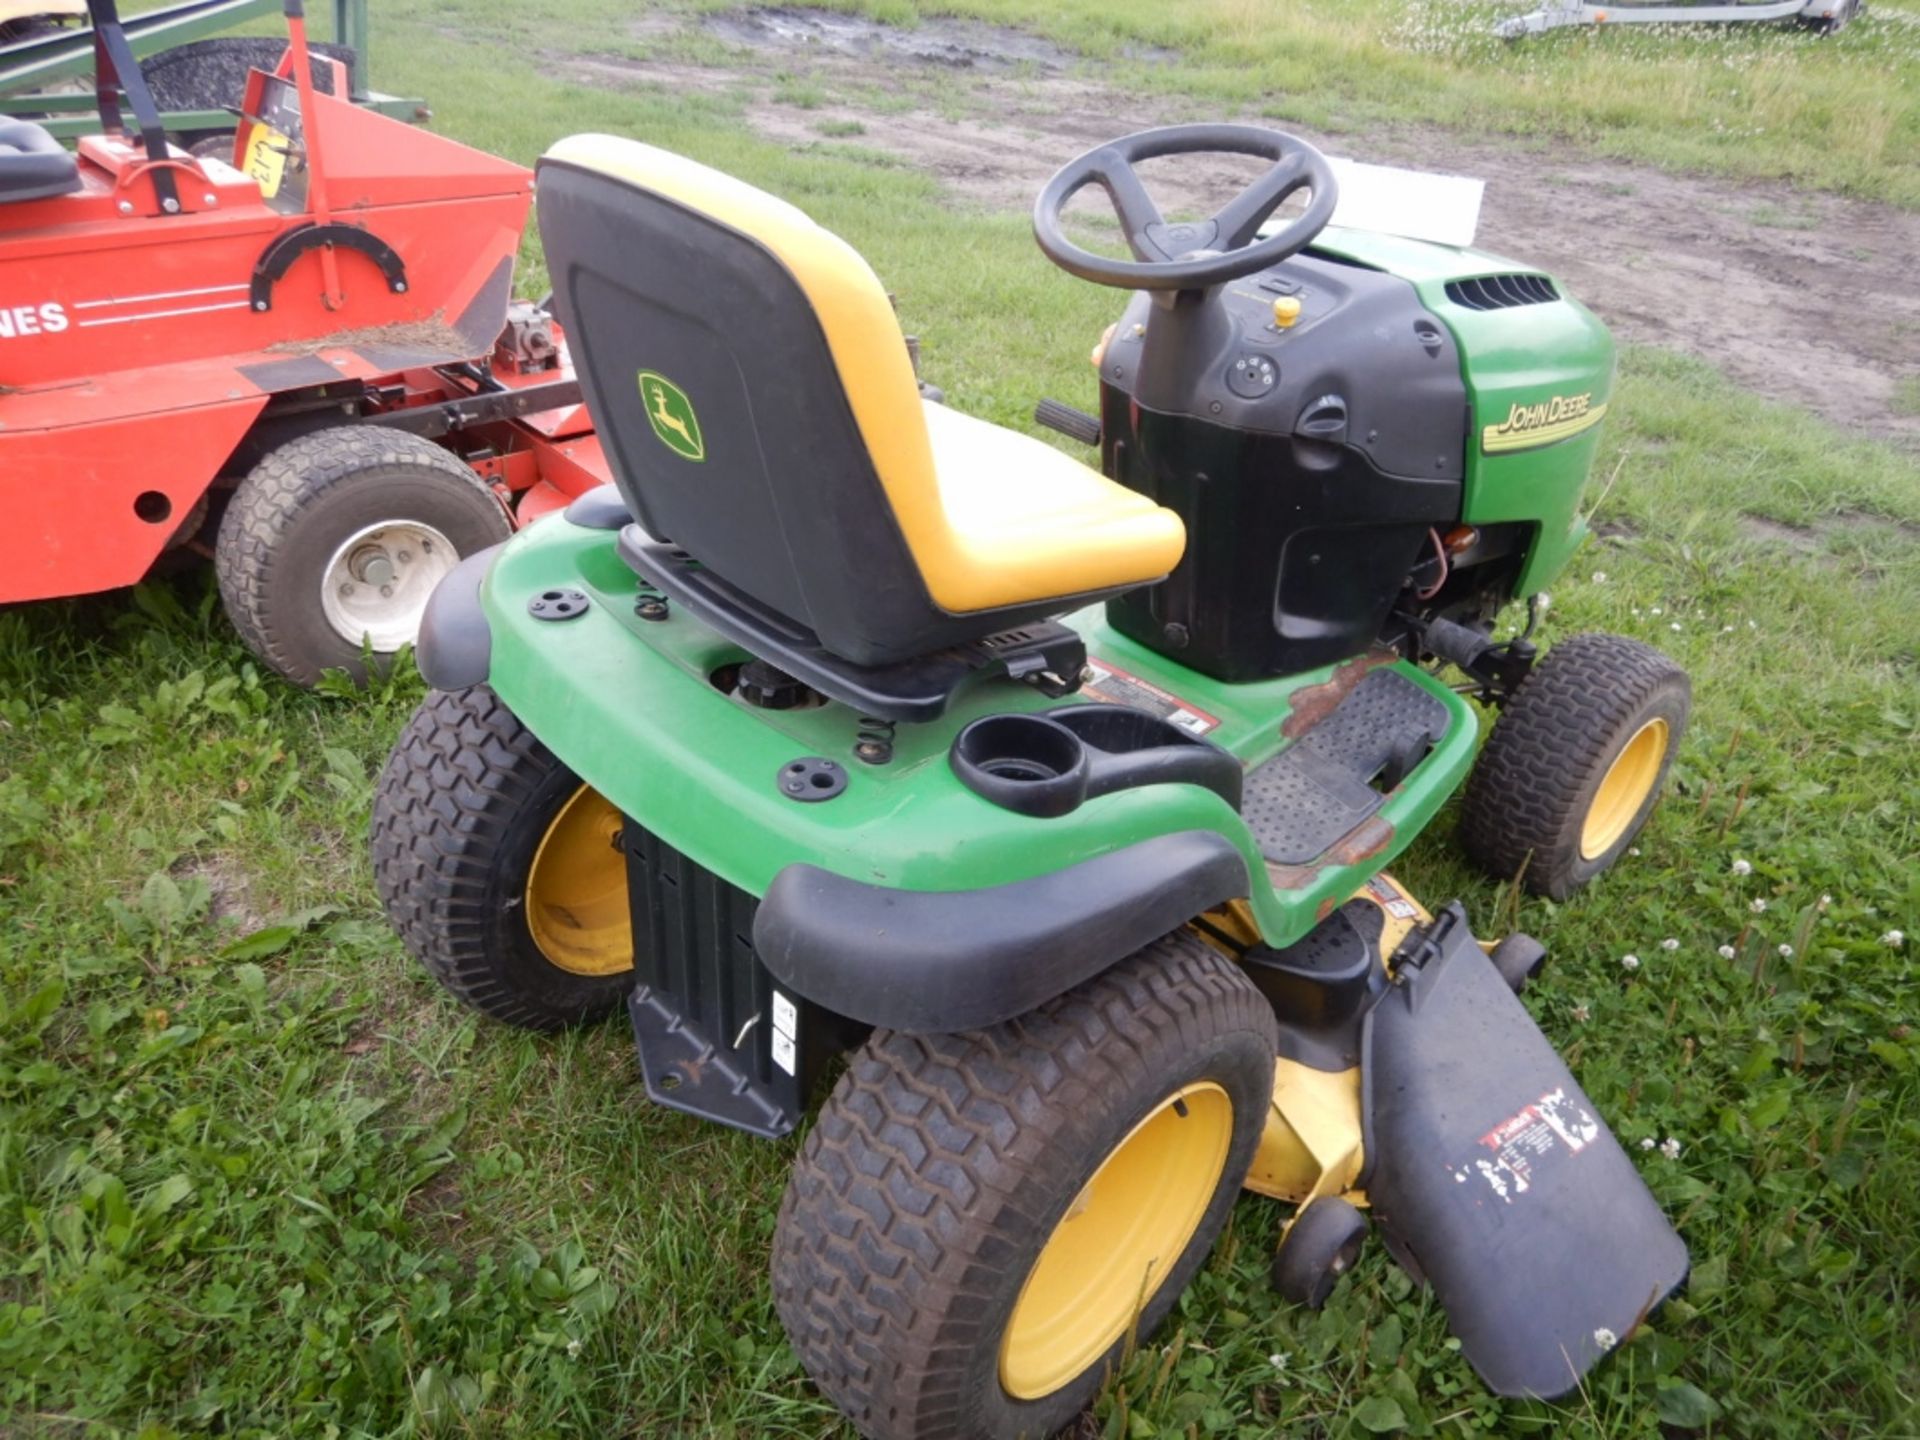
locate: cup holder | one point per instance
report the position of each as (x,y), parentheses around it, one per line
(1025,763)
(1047,765)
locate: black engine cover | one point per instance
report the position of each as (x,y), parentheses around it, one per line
(1308,462)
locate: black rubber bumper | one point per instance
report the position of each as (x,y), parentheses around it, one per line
(455,648)
(933,961)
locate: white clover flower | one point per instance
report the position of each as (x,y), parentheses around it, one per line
(1278,1360)
(1753,625)
(1605,1338)
(1742,867)
(1670,1148)
(1599,577)
(1675,626)
(1670,944)
(573,1349)
(1647,1142)
(1825,901)
(1786,952)
(1726,629)
(1727,952)
(1759,907)
(1656,610)
(1894,939)
(1582,1014)
(1634,850)
(1629,962)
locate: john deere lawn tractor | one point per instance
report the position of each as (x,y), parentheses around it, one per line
(1056,800)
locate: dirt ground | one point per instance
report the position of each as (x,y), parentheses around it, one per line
(1802,296)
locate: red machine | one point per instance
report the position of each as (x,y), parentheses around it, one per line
(309,356)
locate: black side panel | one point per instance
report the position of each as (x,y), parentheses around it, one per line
(783,501)
(1491,1168)
(455,648)
(1296,548)
(1308,462)
(717,1037)
(934,961)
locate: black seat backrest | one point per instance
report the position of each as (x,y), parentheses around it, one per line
(752,389)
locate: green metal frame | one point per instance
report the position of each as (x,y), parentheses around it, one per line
(28,67)
(1522,356)
(628,705)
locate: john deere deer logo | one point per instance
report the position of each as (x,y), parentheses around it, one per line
(671,415)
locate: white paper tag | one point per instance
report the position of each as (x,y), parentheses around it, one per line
(786,1019)
(1441,209)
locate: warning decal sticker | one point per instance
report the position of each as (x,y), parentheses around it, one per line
(1522,1141)
(1391,898)
(1111,685)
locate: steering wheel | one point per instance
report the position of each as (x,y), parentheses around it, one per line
(1188,256)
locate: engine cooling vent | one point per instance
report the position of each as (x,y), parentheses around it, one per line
(1500,292)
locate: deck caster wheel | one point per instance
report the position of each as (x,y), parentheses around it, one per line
(979,1223)
(1575,763)
(337,539)
(1319,1247)
(503,873)
(1519,958)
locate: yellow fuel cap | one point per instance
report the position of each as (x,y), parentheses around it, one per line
(1286,310)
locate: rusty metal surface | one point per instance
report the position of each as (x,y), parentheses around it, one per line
(1313,703)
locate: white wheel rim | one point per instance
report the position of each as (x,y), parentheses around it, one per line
(376,585)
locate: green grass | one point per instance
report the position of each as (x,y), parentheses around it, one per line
(258,1177)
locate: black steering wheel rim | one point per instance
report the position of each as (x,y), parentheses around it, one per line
(1165,257)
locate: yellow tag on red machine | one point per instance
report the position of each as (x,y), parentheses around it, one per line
(266,159)
(1110,685)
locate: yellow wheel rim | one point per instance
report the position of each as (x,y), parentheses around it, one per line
(1119,1239)
(577,890)
(1629,780)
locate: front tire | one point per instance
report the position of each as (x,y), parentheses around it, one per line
(499,869)
(979,1223)
(1575,763)
(336,539)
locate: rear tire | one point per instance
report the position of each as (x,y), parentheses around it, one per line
(282,554)
(1575,763)
(906,1261)
(470,813)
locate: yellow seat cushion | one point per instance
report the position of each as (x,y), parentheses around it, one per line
(992,518)
(1026,522)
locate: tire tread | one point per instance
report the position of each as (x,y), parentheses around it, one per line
(908,1190)
(1523,800)
(464,765)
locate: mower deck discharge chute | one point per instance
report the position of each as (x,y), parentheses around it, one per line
(1059,798)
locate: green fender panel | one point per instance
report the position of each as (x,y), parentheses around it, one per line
(630,706)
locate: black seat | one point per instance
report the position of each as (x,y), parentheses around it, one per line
(753,390)
(33,165)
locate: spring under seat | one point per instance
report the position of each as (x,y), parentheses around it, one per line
(1334,777)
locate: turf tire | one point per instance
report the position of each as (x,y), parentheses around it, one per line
(940,1164)
(462,805)
(302,501)
(1528,797)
